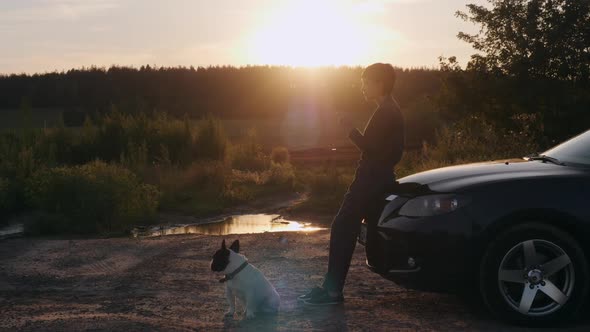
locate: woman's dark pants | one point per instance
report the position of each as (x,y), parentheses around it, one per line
(369,185)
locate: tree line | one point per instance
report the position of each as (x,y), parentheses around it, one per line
(224,91)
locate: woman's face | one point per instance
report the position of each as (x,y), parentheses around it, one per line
(371,89)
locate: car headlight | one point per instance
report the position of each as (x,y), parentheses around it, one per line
(431,205)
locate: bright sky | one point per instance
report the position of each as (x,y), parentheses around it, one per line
(47,35)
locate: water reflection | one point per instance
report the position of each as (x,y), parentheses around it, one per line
(239,224)
(12,230)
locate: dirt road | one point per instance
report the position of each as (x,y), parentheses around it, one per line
(165,284)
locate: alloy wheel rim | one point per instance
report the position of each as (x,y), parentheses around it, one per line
(536,277)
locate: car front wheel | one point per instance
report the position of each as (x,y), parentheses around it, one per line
(534,274)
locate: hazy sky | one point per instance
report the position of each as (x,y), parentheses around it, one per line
(47,35)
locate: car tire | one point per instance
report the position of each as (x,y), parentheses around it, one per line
(553,286)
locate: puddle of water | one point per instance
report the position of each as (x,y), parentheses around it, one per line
(12,230)
(239,224)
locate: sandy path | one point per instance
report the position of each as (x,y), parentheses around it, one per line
(165,284)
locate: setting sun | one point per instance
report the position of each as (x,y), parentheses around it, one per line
(309,33)
(74,34)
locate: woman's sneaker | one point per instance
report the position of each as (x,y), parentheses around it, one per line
(324,298)
(312,292)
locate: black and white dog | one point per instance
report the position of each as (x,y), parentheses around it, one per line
(244,281)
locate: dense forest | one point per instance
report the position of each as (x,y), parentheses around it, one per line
(224,91)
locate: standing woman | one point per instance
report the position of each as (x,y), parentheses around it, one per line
(381,145)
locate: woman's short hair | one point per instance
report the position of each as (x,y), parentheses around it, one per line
(381,72)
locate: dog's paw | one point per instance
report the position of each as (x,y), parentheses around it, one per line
(250,315)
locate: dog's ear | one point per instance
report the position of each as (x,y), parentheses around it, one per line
(223,244)
(235,246)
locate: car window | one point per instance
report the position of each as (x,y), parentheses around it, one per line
(575,150)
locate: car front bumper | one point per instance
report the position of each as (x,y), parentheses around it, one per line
(430,253)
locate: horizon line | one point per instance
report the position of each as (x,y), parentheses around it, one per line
(193,67)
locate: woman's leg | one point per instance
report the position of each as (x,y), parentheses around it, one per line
(346,225)
(344,231)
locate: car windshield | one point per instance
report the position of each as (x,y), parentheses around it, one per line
(573,151)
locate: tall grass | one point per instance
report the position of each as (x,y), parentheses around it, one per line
(473,139)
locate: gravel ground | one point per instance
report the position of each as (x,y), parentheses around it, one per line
(165,284)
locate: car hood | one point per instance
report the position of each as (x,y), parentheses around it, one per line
(460,177)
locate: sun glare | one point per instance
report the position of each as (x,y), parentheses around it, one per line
(311,33)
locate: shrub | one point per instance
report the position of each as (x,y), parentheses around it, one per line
(280,155)
(191,189)
(282,174)
(92,198)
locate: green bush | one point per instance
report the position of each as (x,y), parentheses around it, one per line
(282,174)
(93,198)
(187,188)
(280,155)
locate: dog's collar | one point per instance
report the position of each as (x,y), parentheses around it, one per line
(230,276)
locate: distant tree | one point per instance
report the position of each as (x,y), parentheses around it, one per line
(531,38)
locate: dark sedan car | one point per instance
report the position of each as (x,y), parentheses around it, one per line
(514,230)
